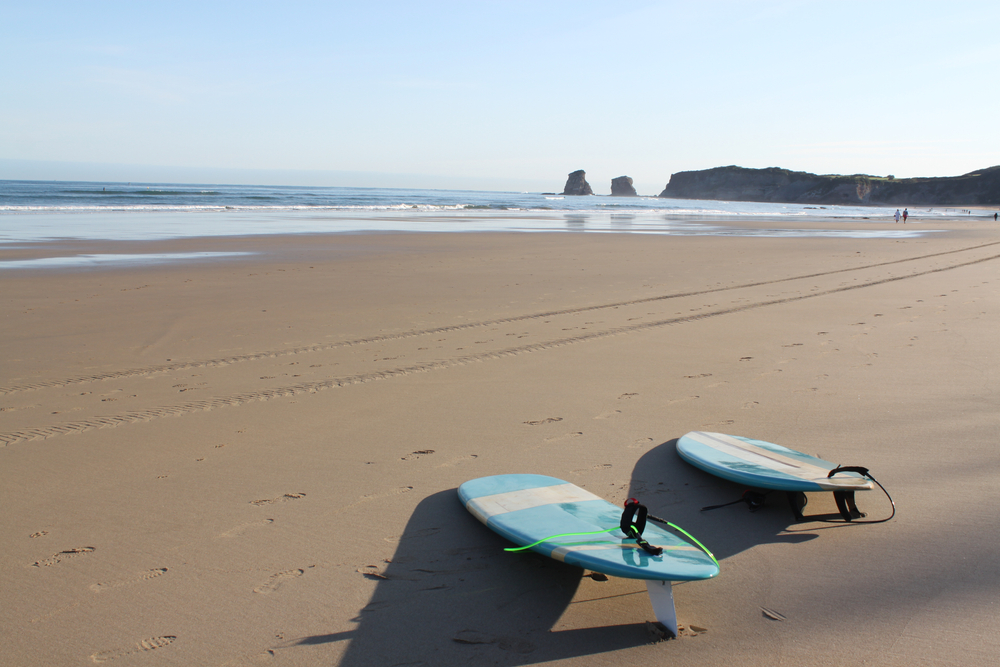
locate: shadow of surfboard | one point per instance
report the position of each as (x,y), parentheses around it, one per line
(452,595)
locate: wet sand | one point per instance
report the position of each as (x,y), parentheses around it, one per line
(253,460)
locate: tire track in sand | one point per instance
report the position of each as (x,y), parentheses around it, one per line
(43,433)
(306,349)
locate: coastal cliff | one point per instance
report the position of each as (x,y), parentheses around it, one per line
(733,183)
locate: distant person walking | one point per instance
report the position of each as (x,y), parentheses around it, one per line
(897,215)
(994,217)
(906,214)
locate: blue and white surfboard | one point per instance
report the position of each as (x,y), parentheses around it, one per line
(528,508)
(764,465)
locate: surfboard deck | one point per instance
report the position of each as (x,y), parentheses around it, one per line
(527,508)
(765,465)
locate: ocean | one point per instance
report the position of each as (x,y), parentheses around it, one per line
(38,211)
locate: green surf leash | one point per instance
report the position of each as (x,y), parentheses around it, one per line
(553,537)
(608,530)
(688,535)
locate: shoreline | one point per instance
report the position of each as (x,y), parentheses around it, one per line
(255,460)
(386,212)
(40,254)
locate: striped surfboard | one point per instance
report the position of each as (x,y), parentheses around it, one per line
(764,465)
(527,508)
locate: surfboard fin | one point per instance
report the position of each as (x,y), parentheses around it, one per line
(797,501)
(845,499)
(845,503)
(661,596)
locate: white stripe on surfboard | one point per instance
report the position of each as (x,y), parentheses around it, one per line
(776,461)
(484,507)
(560,553)
(754,453)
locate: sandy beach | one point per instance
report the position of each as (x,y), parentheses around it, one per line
(254,461)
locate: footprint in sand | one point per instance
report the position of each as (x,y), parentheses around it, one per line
(547,420)
(608,415)
(243,527)
(602,466)
(145,576)
(681,400)
(641,442)
(55,612)
(418,534)
(377,496)
(276,580)
(565,436)
(413,456)
(460,460)
(62,555)
(690,630)
(150,644)
(280,499)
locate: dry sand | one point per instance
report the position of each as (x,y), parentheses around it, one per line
(254,461)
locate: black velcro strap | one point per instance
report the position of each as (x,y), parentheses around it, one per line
(633,518)
(634,522)
(857,469)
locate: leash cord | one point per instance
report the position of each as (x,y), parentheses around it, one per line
(891,502)
(608,530)
(553,537)
(688,535)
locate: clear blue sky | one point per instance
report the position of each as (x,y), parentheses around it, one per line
(497,95)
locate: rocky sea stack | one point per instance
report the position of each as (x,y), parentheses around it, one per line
(577,184)
(622,187)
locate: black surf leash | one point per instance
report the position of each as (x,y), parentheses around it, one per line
(865,473)
(634,522)
(755,500)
